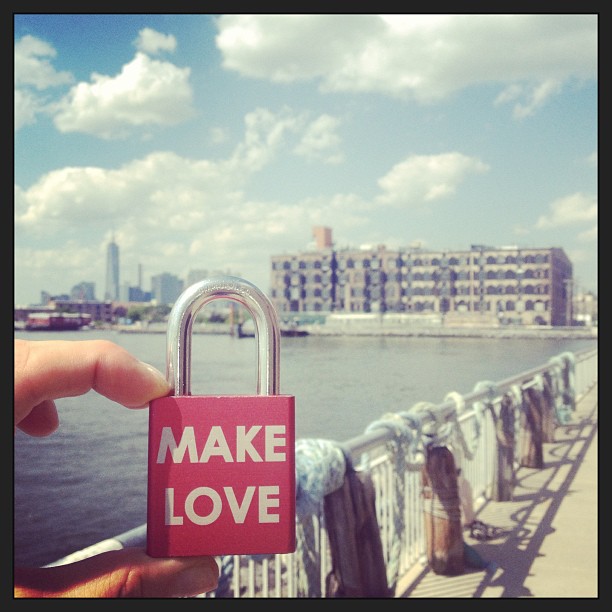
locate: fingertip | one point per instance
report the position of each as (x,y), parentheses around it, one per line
(155,375)
(42,420)
(146,383)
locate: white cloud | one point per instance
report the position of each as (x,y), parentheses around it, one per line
(34,74)
(574,208)
(534,97)
(425,57)
(146,92)
(33,67)
(320,141)
(27,106)
(151,42)
(422,178)
(265,132)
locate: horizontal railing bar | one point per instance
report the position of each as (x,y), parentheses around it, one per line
(440,413)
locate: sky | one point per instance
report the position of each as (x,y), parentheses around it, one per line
(213,142)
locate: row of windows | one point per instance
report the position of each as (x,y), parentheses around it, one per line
(382,278)
(398,262)
(421,306)
(375,294)
(491,290)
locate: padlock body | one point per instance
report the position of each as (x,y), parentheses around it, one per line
(221,475)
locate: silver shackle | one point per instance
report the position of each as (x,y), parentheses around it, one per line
(183,314)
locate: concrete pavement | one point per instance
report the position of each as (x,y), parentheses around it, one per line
(549,547)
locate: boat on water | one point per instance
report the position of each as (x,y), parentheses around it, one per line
(247,330)
(56,321)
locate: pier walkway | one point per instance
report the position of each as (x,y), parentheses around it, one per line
(549,544)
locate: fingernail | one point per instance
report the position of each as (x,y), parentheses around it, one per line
(151,371)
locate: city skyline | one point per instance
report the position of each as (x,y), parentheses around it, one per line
(217,141)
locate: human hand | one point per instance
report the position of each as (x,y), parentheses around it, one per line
(49,370)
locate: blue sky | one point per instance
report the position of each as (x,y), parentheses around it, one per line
(213,142)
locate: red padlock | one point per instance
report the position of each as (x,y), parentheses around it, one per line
(221,475)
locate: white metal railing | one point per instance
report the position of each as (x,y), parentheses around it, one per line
(393,451)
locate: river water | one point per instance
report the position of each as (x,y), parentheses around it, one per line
(88,480)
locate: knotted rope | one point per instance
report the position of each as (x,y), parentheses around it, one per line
(408,452)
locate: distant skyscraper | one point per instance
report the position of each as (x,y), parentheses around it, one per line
(112,271)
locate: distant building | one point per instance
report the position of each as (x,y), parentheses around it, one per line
(83,291)
(166,288)
(195,276)
(585,308)
(483,284)
(99,311)
(112,272)
(323,237)
(46,298)
(136,294)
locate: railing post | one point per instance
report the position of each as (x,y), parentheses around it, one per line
(354,539)
(442,507)
(547,403)
(504,433)
(532,455)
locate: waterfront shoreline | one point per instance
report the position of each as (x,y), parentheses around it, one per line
(455,332)
(401,331)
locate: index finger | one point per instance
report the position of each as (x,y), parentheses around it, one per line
(48,370)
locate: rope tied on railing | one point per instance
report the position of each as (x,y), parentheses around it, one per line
(408,450)
(563,373)
(320,470)
(407,441)
(432,426)
(516,393)
(459,401)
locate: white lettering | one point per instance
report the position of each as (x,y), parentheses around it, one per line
(193,516)
(216,444)
(272,442)
(267,499)
(239,512)
(243,443)
(265,503)
(168,443)
(170,518)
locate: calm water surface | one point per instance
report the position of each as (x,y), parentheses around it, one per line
(88,480)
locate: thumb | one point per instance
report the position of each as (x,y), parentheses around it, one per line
(129,572)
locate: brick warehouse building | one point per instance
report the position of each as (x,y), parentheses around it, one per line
(491,285)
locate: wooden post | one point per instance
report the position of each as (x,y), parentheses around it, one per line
(531,427)
(548,410)
(504,432)
(354,537)
(445,548)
